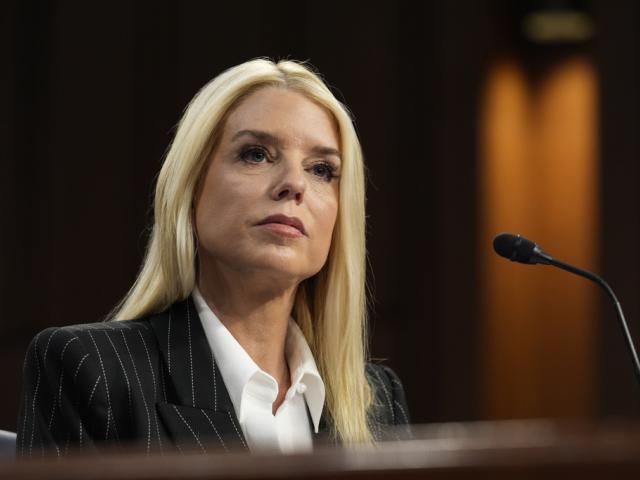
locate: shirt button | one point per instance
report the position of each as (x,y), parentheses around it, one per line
(301,388)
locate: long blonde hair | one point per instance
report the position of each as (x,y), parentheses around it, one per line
(331,306)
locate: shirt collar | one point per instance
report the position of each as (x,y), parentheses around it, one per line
(237,367)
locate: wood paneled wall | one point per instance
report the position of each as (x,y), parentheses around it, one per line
(90,94)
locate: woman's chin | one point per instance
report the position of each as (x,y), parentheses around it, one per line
(273,263)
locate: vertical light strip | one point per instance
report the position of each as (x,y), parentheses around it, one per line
(539,177)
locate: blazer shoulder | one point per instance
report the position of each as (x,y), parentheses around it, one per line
(76,378)
(109,325)
(91,345)
(67,342)
(389,394)
(383,375)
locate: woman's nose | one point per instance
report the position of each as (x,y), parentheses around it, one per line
(290,181)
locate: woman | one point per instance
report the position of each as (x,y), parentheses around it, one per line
(246,326)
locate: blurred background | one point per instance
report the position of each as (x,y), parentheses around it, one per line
(475,118)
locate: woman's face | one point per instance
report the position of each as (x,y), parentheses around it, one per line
(278,155)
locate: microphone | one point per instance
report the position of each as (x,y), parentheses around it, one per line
(522,250)
(519,249)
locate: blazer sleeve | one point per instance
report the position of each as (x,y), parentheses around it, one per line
(56,395)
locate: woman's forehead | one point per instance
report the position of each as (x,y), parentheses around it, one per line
(282,115)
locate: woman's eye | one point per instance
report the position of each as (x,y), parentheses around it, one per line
(325,170)
(254,155)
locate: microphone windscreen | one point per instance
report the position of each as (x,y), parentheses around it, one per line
(514,247)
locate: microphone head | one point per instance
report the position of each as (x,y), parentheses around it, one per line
(515,248)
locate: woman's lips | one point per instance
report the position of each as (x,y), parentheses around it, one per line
(282,229)
(284,225)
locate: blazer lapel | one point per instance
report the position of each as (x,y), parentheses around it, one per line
(197,410)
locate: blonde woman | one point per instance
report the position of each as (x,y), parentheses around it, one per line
(247,325)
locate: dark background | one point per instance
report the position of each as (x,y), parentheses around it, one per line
(90,93)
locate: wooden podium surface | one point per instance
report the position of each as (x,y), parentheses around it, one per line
(495,450)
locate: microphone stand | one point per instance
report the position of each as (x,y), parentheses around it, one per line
(546,259)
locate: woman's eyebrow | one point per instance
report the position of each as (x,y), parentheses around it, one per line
(260,135)
(273,140)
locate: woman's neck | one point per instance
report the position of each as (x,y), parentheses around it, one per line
(256,311)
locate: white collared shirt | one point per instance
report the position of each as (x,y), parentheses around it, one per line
(253,391)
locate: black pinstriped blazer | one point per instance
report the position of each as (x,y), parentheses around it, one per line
(151,381)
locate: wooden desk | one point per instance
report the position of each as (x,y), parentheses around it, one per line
(498,450)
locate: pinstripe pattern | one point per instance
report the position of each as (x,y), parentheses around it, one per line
(387,396)
(155,397)
(186,424)
(93,390)
(215,430)
(152,382)
(144,400)
(391,404)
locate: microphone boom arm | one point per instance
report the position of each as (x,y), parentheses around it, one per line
(548,260)
(519,249)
